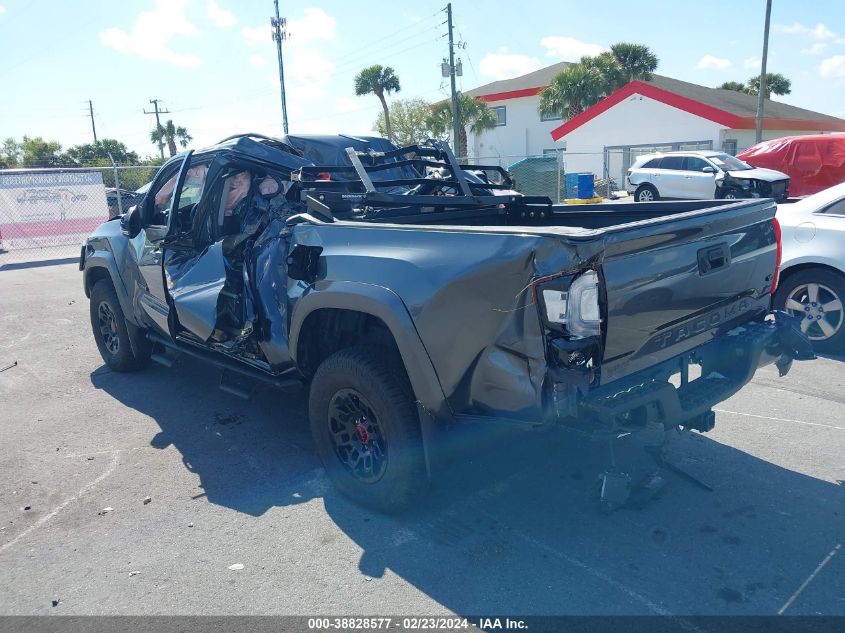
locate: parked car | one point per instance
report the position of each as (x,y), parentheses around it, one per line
(127,199)
(812,272)
(411,306)
(814,162)
(702,175)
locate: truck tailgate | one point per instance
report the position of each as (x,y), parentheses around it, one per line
(674,283)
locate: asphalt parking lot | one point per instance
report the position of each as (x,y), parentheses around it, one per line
(241,519)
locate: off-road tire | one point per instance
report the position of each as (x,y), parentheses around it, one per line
(122,356)
(377,375)
(644,191)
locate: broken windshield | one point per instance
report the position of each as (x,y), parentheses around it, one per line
(727,162)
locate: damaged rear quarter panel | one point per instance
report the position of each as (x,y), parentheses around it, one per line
(469,297)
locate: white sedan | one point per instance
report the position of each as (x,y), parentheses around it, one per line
(812,271)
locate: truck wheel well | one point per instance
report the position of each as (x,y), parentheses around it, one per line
(328,330)
(94,275)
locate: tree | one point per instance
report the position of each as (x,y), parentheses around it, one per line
(378,80)
(582,85)
(570,92)
(775,84)
(409,120)
(36,152)
(636,60)
(10,153)
(475,115)
(736,86)
(94,153)
(170,134)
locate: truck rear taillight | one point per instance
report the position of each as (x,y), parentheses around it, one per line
(574,308)
(778,256)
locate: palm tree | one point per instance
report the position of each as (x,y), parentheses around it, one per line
(570,92)
(775,84)
(475,115)
(584,84)
(377,80)
(637,61)
(736,86)
(169,134)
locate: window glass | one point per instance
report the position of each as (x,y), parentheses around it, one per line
(651,164)
(162,199)
(501,115)
(696,164)
(837,208)
(672,162)
(551,117)
(729,163)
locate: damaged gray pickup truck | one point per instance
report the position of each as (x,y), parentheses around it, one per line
(414,294)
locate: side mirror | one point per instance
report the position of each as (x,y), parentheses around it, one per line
(709,170)
(130,223)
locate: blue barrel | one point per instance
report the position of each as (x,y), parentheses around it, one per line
(571,182)
(586,186)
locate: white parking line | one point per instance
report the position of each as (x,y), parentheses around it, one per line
(86,488)
(813,575)
(766,417)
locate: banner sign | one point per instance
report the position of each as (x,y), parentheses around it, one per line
(39,209)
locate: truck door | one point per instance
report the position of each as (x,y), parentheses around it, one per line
(148,291)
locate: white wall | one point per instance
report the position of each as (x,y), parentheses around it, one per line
(745,138)
(524,135)
(637,120)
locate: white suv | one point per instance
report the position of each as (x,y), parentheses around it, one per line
(702,175)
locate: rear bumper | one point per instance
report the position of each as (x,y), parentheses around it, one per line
(728,362)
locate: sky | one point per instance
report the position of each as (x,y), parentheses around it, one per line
(212,63)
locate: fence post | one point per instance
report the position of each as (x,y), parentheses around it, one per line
(116,185)
(557,191)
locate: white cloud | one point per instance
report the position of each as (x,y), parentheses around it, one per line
(2,9)
(257,60)
(347,104)
(710,62)
(819,35)
(819,32)
(816,48)
(257,34)
(150,36)
(219,15)
(315,25)
(568,48)
(752,63)
(504,65)
(833,67)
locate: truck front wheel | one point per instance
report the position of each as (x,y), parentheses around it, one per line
(366,429)
(112,332)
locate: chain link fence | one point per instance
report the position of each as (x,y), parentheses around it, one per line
(548,175)
(45,214)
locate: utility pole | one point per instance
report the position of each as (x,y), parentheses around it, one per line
(761,93)
(91,112)
(280,34)
(456,114)
(157,111)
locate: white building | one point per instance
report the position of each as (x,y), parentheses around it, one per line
(661,114)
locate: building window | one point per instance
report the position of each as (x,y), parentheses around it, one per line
(550,117)
(501,115)
(729,146)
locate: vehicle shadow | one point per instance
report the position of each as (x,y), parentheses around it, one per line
(512,524)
